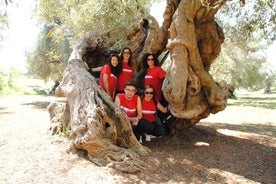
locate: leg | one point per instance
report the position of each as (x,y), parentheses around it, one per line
(157,130)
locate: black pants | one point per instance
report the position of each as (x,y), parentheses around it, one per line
(144,126)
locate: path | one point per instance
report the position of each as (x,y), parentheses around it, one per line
(236,145)
(28,154)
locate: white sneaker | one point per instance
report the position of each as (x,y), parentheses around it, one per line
(147,137)
(140,140)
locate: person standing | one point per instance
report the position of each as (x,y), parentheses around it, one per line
(109,74)
(130,103)
(127,69)
(154,75)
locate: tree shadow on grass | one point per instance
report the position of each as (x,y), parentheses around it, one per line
(201,154)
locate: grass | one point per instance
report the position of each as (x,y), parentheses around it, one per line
(23,85)
(255,99)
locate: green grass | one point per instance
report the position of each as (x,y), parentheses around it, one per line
(267,101)
(17,90)
(23,85)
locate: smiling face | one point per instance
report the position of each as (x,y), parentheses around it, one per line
(150,61)
(149,93)
(114,61)
(126,55)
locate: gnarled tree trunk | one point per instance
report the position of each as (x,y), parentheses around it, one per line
(96,124)
(193,39)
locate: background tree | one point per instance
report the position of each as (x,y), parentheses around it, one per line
(4,19)
(70,21)
(249,31)
(48,59)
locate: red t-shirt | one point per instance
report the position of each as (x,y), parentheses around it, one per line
(148,110)
(112,79)
(128,106)
(154,77)
(125,76)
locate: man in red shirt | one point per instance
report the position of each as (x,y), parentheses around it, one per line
(130,103)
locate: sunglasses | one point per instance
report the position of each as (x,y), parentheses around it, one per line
(149,93)
(150,59)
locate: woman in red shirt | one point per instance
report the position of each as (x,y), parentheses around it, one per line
(127,69)
(149,107)
(109,74)
(155,74)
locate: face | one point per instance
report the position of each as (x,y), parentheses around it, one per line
(126,54)
(149,93)
(150,61)
(130,92)
(114,61)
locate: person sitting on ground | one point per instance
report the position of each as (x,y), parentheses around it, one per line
(109,74)
(149,107)
(130,103)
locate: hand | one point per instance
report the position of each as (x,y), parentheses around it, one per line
(134,121)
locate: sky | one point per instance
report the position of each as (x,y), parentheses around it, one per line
(20,36)
(23,31)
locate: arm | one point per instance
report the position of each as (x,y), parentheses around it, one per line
(106,84)
(96,69)
(139,108)
(162,74)
(135,120)
(162,108)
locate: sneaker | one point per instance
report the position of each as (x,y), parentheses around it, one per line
(147,137)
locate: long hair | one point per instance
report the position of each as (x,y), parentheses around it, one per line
(118,69)
(145,60)
(129,62)
(140,77)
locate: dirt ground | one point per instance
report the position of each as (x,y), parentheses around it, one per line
(237,145)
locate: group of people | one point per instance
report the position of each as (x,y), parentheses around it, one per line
(116,79)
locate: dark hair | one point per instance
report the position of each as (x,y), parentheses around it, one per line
(131,83)
(118,69)
(130,58)
(145,60)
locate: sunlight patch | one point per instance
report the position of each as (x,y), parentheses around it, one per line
(202,144)
(229,177)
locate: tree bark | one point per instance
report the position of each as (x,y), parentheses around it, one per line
(193,39)
(96,124)
(195,43)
